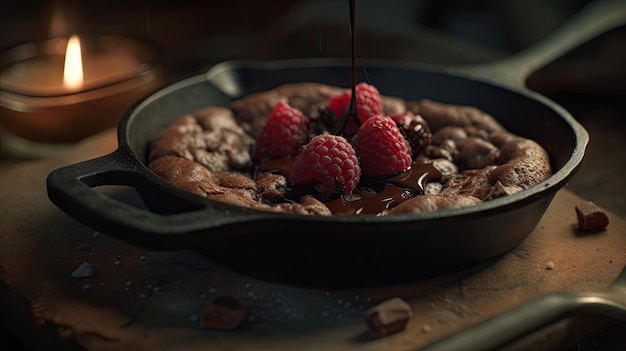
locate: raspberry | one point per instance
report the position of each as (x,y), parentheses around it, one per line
(284,131)
(382,149)
(329,159)
(415,130)
(368,104)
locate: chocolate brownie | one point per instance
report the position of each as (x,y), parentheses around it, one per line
(465,157)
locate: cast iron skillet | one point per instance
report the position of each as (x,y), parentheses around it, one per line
(334,250)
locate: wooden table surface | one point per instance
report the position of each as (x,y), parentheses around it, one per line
(144,300)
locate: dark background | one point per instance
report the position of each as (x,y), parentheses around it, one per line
(191,34)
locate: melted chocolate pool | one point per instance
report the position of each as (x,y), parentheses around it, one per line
(373,196)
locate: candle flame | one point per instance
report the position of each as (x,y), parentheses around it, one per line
(73,69)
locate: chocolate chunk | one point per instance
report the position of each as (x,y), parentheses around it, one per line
(590,217)
(222,313)
(388,317)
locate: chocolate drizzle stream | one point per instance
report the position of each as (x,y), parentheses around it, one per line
(352,108)
(351,112)
(376,195)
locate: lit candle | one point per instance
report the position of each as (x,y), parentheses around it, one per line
(63,90)
(47,75)
(73,67)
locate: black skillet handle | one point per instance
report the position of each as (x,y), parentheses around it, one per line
(169,212)
(593,20)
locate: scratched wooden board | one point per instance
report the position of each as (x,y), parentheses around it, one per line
(140,299)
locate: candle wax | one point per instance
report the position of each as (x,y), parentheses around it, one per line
(43,75)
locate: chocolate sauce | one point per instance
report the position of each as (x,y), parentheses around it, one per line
(373,204)
(396,190)
(416,177)
(381,193)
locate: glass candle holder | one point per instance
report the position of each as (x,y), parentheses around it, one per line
(37,108)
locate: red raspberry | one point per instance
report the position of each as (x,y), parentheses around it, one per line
(329,159)
(283,133)
(415,130)
(382,149)
(368,104)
